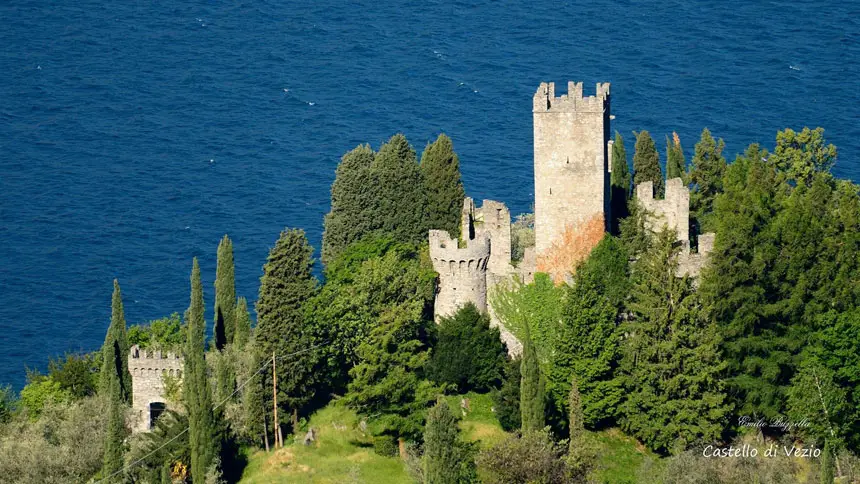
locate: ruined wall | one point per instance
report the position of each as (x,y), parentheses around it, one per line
(462,272)
(673,211)
(571,161)
(147,382)
(691,264)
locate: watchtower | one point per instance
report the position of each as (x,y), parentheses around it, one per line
(148,371)
(462,271)
(571,160)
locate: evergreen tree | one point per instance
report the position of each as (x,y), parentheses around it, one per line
(243,324)
(706,175)
(286,285)
(113,447)
(352,202)
(115,350)
(507,399)
(675,162)
(204,443)
(531,388)
(672,364)
(619,182)
(827,464)
(442,450)
(441,169)
(575,419)
(400,207)
(646,163)
(225,295)
(468,352)
(801,155)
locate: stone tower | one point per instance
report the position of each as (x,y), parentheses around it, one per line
(571,160)
(148,371)
(462,271)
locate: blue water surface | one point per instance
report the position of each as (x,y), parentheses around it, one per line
(133,135)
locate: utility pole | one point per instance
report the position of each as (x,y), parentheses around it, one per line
(276,428)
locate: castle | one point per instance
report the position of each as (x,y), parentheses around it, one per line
(572,166)
(148,372)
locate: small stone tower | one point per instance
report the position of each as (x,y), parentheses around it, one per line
(147,384)
(462,272)
(571,160)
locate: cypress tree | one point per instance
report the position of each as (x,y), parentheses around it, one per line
(531,387)
(706,175)
(113,446)
(675,163)
(115,350)
(575,418)
(441,169)
(827,464)
(198,398)
(225,295)
(287,283)
(400,208)
(619,181)
(441,457)
(352,201)
(243,324)
(646,163)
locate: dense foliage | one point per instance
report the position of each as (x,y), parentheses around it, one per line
(646,163)
(225,296)
(440,168)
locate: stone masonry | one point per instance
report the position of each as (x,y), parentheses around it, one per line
(147,383)
(674,212)
(571,160)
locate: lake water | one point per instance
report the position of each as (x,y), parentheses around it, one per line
(133,135)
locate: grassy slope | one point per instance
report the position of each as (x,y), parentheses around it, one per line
(342,454)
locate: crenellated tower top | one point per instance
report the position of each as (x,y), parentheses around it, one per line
(545,99)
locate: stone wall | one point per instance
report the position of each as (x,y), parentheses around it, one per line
(571,161)
(673,211)
(462,272)
(147,382)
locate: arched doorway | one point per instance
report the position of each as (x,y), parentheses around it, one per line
(155,411)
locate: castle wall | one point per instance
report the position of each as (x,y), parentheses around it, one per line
(571,161)
(673,211)
(462,272)
(147,382)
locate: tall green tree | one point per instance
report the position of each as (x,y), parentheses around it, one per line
(827,464)
(225,295)
(352,201)
(646,163)
(531,389)
(801,155)
(115,350)
(672,363)
(675,162)
(243,324)
(287,284)
(446,459)
(441,169)
(204,444)
(400,209)
(619,182)
(706,175)
(115,437)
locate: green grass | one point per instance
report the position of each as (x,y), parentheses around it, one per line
(341,454)
(620,457)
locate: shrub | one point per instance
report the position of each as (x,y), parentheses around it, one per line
(533,457)
(507,400)
(468,352)
(385,445)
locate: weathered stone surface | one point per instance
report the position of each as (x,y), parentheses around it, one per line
(148,370)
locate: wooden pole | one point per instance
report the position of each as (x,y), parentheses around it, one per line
(275,424)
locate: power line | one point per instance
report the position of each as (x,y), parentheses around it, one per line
(222,402)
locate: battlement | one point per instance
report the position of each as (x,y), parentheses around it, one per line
(448,256)
(673,210)
(545,99)
(491,220)
(140,361)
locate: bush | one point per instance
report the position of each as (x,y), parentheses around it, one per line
(40,391)
(385,445)
(63,445)
(166,334)
(7,404)
(77,374)
(468,352)
(533,457)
